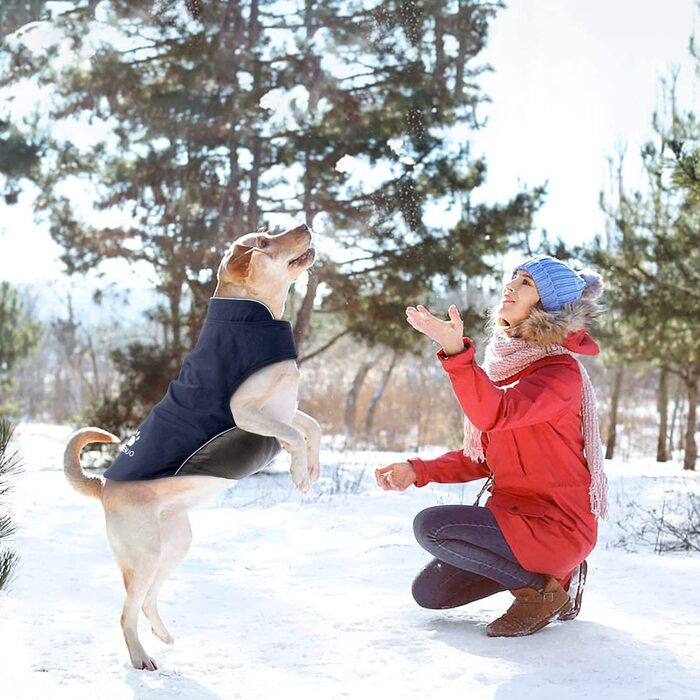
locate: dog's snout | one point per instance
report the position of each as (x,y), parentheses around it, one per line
(303,232)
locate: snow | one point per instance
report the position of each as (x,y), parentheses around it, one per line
(282,596)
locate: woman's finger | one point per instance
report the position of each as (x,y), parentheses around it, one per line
(383,476)
(420,318)
(425,313)
(416,324)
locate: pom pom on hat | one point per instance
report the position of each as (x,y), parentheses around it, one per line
(594,285)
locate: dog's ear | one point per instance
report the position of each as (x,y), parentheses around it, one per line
(235,265)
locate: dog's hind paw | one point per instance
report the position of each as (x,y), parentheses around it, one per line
(143,662)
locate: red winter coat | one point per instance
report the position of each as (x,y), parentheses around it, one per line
(531,434)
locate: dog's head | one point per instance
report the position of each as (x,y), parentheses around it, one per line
(265,259)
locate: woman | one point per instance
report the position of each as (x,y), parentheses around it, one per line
(531,427)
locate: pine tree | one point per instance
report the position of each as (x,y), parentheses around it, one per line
(18,335)
(653,268)
(19,156)
(196,152)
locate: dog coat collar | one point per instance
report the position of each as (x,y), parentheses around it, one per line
(238,310)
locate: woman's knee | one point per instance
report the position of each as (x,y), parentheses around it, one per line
(423,591)
(423,598)
(424,523)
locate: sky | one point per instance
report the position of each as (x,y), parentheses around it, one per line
(572,82)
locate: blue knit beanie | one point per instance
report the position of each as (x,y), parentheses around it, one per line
(556,282)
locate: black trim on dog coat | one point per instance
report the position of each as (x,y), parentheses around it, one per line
(191,429)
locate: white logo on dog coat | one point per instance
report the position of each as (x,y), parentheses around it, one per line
(129,443)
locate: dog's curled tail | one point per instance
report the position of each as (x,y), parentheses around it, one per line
(77,478)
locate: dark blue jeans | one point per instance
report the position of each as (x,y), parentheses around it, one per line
(472,558)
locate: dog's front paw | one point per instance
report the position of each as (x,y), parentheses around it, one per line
(300,479)
(163,635)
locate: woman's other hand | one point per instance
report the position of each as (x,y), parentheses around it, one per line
(447,333)
(396,477)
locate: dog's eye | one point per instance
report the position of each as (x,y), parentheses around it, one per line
(263,243)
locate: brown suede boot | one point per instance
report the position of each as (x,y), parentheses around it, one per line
(531,610)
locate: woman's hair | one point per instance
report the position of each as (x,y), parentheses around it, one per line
(495,322)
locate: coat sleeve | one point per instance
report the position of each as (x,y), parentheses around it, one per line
(538,397)
(451,468)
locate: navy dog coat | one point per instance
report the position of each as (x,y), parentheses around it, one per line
(191,429)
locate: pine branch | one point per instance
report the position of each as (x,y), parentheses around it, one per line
(8,567)
(9,465)
(325,347)
(7,529)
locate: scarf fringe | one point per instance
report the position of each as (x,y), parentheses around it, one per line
(505,357)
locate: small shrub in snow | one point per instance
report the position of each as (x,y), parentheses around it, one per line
(9,466)
(674,526)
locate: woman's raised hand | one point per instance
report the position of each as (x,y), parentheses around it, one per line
(447,333)
(396,477)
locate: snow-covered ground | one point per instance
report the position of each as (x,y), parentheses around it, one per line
(290,597)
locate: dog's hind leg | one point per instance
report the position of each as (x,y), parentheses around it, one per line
(134,535)
(175,539)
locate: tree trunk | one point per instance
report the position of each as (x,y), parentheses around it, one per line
(439,69)
(662,404)
(303,318)
(174,293)
(461,54)
(258,91)
(351,400)
(253,211)
(378,393)
(674,417)
(96,390)
(614,403)
(691,448)
(233,209)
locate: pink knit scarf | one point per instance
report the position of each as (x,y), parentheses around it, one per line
(505,357)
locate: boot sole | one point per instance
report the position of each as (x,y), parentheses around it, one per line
(537,628)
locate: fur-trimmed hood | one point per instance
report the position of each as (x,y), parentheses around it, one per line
(566,326)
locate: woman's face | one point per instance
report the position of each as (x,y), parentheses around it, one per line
(519,296)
